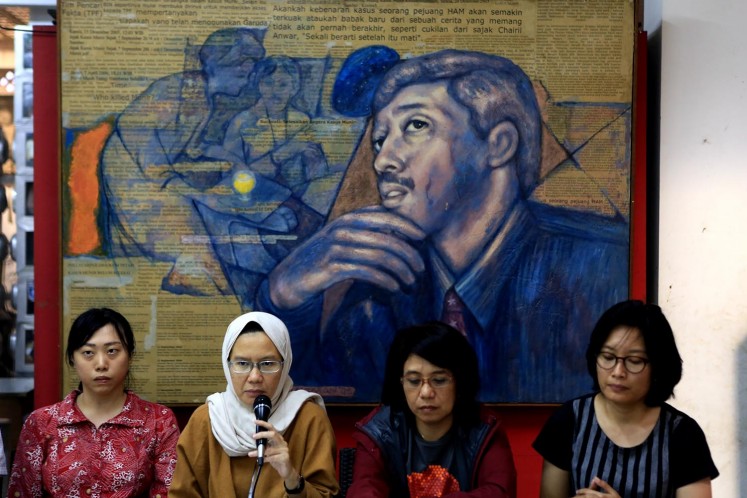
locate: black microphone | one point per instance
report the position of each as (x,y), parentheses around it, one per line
(262,405)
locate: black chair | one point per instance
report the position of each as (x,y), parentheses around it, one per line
(347,459)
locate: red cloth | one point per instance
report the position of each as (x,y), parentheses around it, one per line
(434,482)
(61,453)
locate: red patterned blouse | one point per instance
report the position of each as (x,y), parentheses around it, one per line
(61,453)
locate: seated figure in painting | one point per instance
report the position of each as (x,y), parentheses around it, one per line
(272,204)
(194,175)
(270,136)
(165,146)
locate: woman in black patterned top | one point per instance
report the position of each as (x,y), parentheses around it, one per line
(624,440)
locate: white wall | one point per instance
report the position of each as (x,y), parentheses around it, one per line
(703,219)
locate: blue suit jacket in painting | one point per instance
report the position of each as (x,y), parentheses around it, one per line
(532,299)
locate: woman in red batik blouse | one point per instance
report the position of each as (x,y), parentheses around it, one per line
(102,440)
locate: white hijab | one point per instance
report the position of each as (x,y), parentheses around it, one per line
(233,421)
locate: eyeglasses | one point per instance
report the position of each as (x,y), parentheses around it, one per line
(633,364)
(412,383)
(264,366)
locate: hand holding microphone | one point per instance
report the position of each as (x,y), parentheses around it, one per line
(262,405)
(280,458)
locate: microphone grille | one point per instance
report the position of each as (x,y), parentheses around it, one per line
(262,405)
(262,400)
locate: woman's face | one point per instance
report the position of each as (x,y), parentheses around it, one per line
(102,363)
(254,347)
(618,384)
(277,88)
(430,392)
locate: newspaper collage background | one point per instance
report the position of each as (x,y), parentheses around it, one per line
(164,223)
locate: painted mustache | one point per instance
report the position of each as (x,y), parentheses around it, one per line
(387,177)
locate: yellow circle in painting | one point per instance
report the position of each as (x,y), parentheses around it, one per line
(244,182)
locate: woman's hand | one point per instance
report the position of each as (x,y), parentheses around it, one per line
(598,488)
(277,454)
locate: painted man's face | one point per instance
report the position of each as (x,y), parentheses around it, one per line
(428,158)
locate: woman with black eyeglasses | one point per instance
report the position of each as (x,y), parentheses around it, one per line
(430,437)
(217,454)
(624,439)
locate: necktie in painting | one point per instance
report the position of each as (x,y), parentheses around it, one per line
(453,311)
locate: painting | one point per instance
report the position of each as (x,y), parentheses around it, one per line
(354,170)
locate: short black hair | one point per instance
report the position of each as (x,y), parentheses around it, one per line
(664,358)
(445,347)
(249,328)
(89,322)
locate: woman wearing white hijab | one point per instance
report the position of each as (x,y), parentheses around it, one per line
(217,451)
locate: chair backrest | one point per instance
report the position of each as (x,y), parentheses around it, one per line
(347,459)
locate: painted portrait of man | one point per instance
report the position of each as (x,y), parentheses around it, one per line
(455,235)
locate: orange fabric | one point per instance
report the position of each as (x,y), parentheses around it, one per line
(84,189)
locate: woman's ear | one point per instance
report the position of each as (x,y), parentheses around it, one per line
(503,141)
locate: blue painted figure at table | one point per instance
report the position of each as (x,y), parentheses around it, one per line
(165,149)
(270,137)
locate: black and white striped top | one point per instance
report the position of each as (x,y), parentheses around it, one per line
(674,454)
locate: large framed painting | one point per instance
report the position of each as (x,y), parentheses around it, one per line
(354,168)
